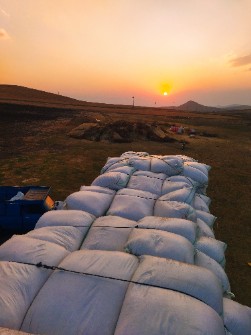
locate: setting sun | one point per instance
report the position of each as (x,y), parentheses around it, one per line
(165,93)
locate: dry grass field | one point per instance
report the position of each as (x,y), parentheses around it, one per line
(35,149)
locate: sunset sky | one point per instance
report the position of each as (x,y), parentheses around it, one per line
(111,50)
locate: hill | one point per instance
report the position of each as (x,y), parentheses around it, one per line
(14,93)
(20,98)
(193,106)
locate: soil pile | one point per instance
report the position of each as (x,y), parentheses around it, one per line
(121,132)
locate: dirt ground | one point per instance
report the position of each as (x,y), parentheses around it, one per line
(36,150)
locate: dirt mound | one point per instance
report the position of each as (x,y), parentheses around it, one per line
(121,132)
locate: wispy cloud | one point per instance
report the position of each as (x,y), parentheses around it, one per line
(2,11)
(241,61)
(3,34)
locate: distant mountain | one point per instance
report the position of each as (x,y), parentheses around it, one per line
(192,106)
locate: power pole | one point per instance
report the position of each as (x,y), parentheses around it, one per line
(132,102)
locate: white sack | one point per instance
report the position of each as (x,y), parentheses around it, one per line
(114,162)
(147,181)
(74,218)
(112,167)
(174,209)
(213,248)
(170,186)
(195,281)
(132,204)
(108,233)
(111,239)
(204,229)
(195,174)
(21,248)
(237,317)
(140,163)
(95,203)
(185,228)
(19,284)
(206,199)
(69,238)
(200,166)
(71,303)
(200,204)
(171,166)
(208,218)
(207,262)
(161,244)
(112,180)
(156,311)
(185,195)
(183,179)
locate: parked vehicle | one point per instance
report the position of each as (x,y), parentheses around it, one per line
(21,207)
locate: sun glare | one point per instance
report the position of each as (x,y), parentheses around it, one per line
(165,93)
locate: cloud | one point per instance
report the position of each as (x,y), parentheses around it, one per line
(4,35)
(241,61)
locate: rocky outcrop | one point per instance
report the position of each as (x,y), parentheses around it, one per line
(121,132)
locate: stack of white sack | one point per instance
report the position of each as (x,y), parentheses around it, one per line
(134,253)
(172,238)
(170,166)
(109,292)
(94,292)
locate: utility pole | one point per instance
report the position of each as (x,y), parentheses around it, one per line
(132,102)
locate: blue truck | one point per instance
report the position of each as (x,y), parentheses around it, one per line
(22,206)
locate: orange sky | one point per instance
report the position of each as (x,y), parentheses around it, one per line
(111,50)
